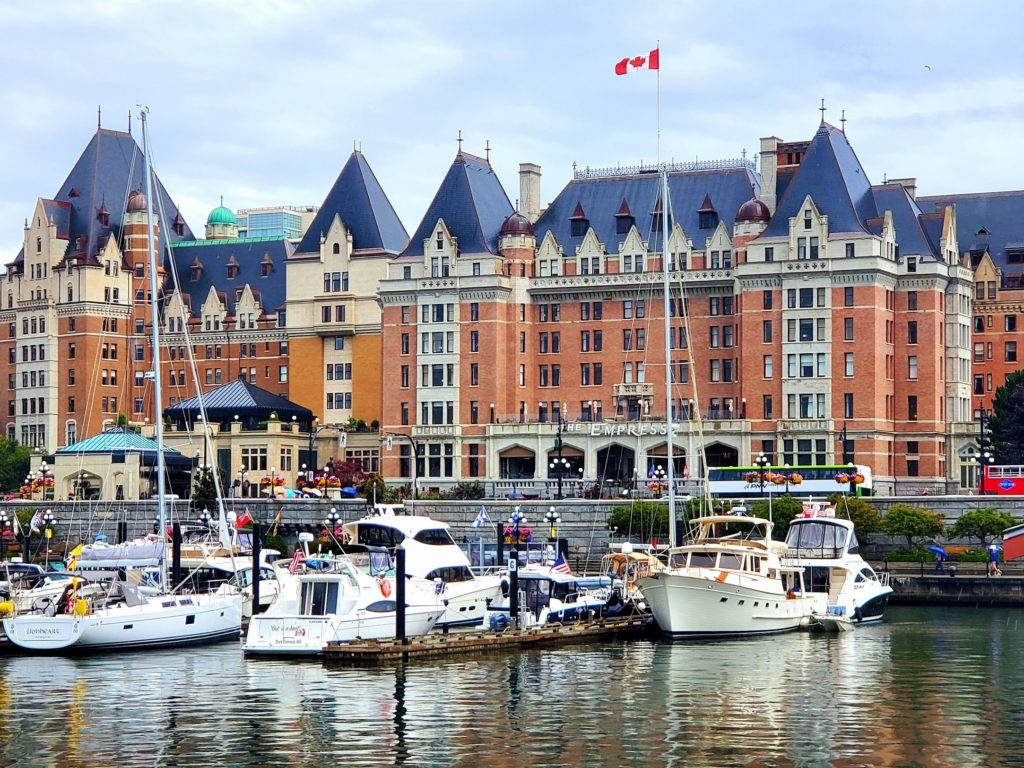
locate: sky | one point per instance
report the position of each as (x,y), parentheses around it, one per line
(262,102)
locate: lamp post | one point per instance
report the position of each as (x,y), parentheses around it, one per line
(204,519)
(331,523)
(553,519)
(5,527)
(786,470)
(45,475)
(559,464)
(982,460)
(515,520)
(49,523)
(761,462)
(851,469)
(314,432)
(417,451)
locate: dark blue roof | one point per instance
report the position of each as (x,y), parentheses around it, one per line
(472,203)
(239,398)
(910,236)
(834,178)
(249,254)
(358,199)
(601,198)
(110,167)
(1001,214)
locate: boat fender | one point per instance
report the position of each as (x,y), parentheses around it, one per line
(6,608)
(504,587)
(857,614)
(385,587)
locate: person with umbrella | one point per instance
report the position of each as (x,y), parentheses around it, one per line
(993,560)
(940,556)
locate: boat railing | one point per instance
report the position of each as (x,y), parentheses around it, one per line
(815,553)
(883,578)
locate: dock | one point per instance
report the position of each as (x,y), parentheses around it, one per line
(434,645)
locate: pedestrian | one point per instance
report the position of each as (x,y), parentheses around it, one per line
(938,562)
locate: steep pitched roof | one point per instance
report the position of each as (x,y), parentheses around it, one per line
(248,255)
(999,214)
(110,167)
(906,217)
(472,203)
(358,199)
(834,178)
(602,197)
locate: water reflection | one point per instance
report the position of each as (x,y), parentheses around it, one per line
(928,688)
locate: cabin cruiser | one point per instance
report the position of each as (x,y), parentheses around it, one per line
(826,547)
(330,598)
(728,579)
(431,554)
(550,596)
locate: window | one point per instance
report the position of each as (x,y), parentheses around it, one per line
(766,406)
(1010,323)
(282,373)
(848,364)
(71,351)
(912,407)
(848,329)
(769,254)
(627,310)
(768,366)
(474,341)
(806,298)
(766,331)
(806,329)
(474,311)
(912,332)
(912,367)
(1010,352)
(847,405)
(766,299)
(849,250)
(911,299)
(474,374)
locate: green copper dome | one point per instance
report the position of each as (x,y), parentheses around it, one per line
(221,215)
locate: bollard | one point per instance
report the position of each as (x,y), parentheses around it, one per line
(175,555)
(257,534)
(513,588)
(400,595)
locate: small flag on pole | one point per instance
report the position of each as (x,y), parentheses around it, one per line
(631,63)
(36,522)
(481,518)
(560,565)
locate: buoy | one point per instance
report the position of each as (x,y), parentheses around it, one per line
(385,587)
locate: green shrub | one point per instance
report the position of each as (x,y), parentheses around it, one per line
(916,555)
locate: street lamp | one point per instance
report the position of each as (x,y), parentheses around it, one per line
(156,526)
(314,432)
(553,519)
(49,523)
(205,519)
(515,520)
(559,464)
(982,460)
(762,462)
(331,523)
(5,532)
(786,470)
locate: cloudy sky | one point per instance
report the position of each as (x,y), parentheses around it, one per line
(262,101)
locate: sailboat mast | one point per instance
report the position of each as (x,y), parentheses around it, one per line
(161,470)
(670,428)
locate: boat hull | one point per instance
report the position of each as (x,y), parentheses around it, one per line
(162,621)
(299,635)
(697,606)
(468,601)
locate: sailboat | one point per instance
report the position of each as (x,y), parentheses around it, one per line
(123,616)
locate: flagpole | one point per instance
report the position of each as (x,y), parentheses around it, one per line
(657,47)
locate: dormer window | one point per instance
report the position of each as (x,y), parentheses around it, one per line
(1015,255)
(807,219)
(336,249)
(578,222)
(266,266)
(624,219)
(440,240)
(178,224)
(707,215)
(196,271)
(232,269)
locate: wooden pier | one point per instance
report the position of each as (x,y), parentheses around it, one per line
(424,646)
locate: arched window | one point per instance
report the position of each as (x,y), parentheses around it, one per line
(337,249)
(71,293)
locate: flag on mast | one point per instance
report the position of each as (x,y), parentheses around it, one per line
(481,518)
(631,63)
(560,565)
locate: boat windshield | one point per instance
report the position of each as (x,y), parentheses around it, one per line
(434,537)
(319,597)
(820,539)
(372,535)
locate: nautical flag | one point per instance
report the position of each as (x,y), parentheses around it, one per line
(16,525)
(245,518)
(277,520)
(36,522)
(560,565)
(481,518)
(628,64)
(650,472)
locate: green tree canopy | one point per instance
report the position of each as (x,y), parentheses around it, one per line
(983,524)
(644,520)
(912,522)
(783,510)
(861,512)
(1006,424)
(15,463)
(204,492)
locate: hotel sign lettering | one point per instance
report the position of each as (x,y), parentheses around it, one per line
(618,429)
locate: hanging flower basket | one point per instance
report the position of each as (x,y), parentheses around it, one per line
(525,536)
(779,479)
(275,481)
(752,477)
(796,478)
(842,478)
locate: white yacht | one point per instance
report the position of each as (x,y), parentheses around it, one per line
(549,596)
(334,599)
(826,547)
(432,554)
(728,580)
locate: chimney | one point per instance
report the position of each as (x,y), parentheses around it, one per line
(909,184)
(769,170)
(529,191)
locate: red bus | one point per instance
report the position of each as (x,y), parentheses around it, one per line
(1002,480)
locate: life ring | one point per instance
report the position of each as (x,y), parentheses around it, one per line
(385,587)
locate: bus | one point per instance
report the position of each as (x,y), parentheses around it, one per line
(1002,480)
(800,480)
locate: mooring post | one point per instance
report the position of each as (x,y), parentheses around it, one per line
(400,595)
(257,543)
(122,531)
(175,556)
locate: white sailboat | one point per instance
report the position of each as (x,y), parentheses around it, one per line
(123,617)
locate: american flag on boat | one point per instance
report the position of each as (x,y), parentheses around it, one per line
(560,565)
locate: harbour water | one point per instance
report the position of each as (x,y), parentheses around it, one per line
(929,687)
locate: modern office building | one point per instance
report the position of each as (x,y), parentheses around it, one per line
(284,221)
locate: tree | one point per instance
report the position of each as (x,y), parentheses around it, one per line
(861,512)
(1006,424)
(204,492)
(15,463)
(983,524)
(912,522)
(645,520)
(783,510)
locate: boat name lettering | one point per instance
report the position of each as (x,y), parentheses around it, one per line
(47,631)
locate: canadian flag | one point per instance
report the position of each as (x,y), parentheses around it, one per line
(650,61)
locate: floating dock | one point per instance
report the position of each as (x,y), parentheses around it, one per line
(424,646)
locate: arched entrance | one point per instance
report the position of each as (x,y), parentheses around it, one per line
(517,463)
(657,458)
(721,455)
(616,464)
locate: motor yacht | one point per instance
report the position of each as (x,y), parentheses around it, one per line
(431,554)
(827,549)
(728,579)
